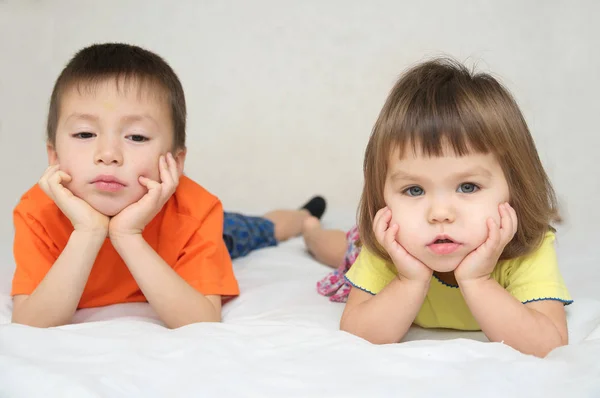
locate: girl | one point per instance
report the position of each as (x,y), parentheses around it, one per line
(454,220)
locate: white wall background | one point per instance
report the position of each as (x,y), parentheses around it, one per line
(282,94)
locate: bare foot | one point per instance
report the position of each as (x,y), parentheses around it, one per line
(328,246)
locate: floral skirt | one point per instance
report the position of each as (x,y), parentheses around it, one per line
(335,285)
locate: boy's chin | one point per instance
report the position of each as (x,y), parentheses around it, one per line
(107,209)
(111,206)
(108,212)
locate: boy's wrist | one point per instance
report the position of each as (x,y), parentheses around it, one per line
(123,240)
(92,234)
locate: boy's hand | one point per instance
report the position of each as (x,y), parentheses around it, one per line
(480,263)
(408,266)
(83,216)
(133,219)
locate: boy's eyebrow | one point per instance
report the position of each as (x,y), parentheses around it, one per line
(127,118)
(85,116)
(140,118)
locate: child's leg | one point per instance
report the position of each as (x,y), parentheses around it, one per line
(288,223)
(243,234)
(328,246)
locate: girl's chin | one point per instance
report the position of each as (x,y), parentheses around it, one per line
(444,267)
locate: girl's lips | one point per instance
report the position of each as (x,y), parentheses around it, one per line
(443,248)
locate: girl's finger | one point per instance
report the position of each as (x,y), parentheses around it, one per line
(515,221)
(390,237)
(383,224)
(493,235)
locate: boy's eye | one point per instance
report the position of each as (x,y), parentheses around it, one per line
(414,191)
(467,187)
(83,135)
(137,138)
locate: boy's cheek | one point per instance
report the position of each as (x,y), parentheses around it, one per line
(151,173)
(65,168)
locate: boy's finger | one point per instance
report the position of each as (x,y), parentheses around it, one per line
(43,181)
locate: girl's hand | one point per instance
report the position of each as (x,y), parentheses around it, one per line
(408,266)
(480,263)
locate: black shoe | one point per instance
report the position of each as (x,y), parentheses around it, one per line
(316,206)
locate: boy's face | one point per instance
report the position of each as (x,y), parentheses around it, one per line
(448,197)
(107,137)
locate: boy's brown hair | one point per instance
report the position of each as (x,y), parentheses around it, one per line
(123,63)
(441,103)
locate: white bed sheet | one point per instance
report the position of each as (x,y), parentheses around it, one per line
(281,338)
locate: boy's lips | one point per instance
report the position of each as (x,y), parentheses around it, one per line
(108,183)
(443,244)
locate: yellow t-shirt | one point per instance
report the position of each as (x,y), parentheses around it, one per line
(528,278)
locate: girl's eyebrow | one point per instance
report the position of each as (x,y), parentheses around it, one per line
(477,171)
(400,175)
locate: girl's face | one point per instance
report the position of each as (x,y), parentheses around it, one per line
(441,204)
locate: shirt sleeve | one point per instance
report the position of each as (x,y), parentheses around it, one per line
(536,276)
(34,252)
(370,273)
(204,262)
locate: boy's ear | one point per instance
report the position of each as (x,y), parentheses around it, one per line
(52,155)
(179,156)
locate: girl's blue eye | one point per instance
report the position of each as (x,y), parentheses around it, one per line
(467,187)
(414,191)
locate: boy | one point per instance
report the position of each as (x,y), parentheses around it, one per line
(113,219)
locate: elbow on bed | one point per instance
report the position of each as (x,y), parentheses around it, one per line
(20,319)
(366,334)
(543,350)
(198,318)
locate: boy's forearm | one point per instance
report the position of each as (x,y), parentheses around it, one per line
(55,300)
(174,300)
(386,317)
(504,319)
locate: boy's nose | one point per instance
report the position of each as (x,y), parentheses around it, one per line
(109,155)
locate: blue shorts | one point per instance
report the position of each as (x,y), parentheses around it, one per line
(243,234)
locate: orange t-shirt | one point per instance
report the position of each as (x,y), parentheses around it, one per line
(187,233)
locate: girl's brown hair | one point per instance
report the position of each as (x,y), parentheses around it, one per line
(439,103)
